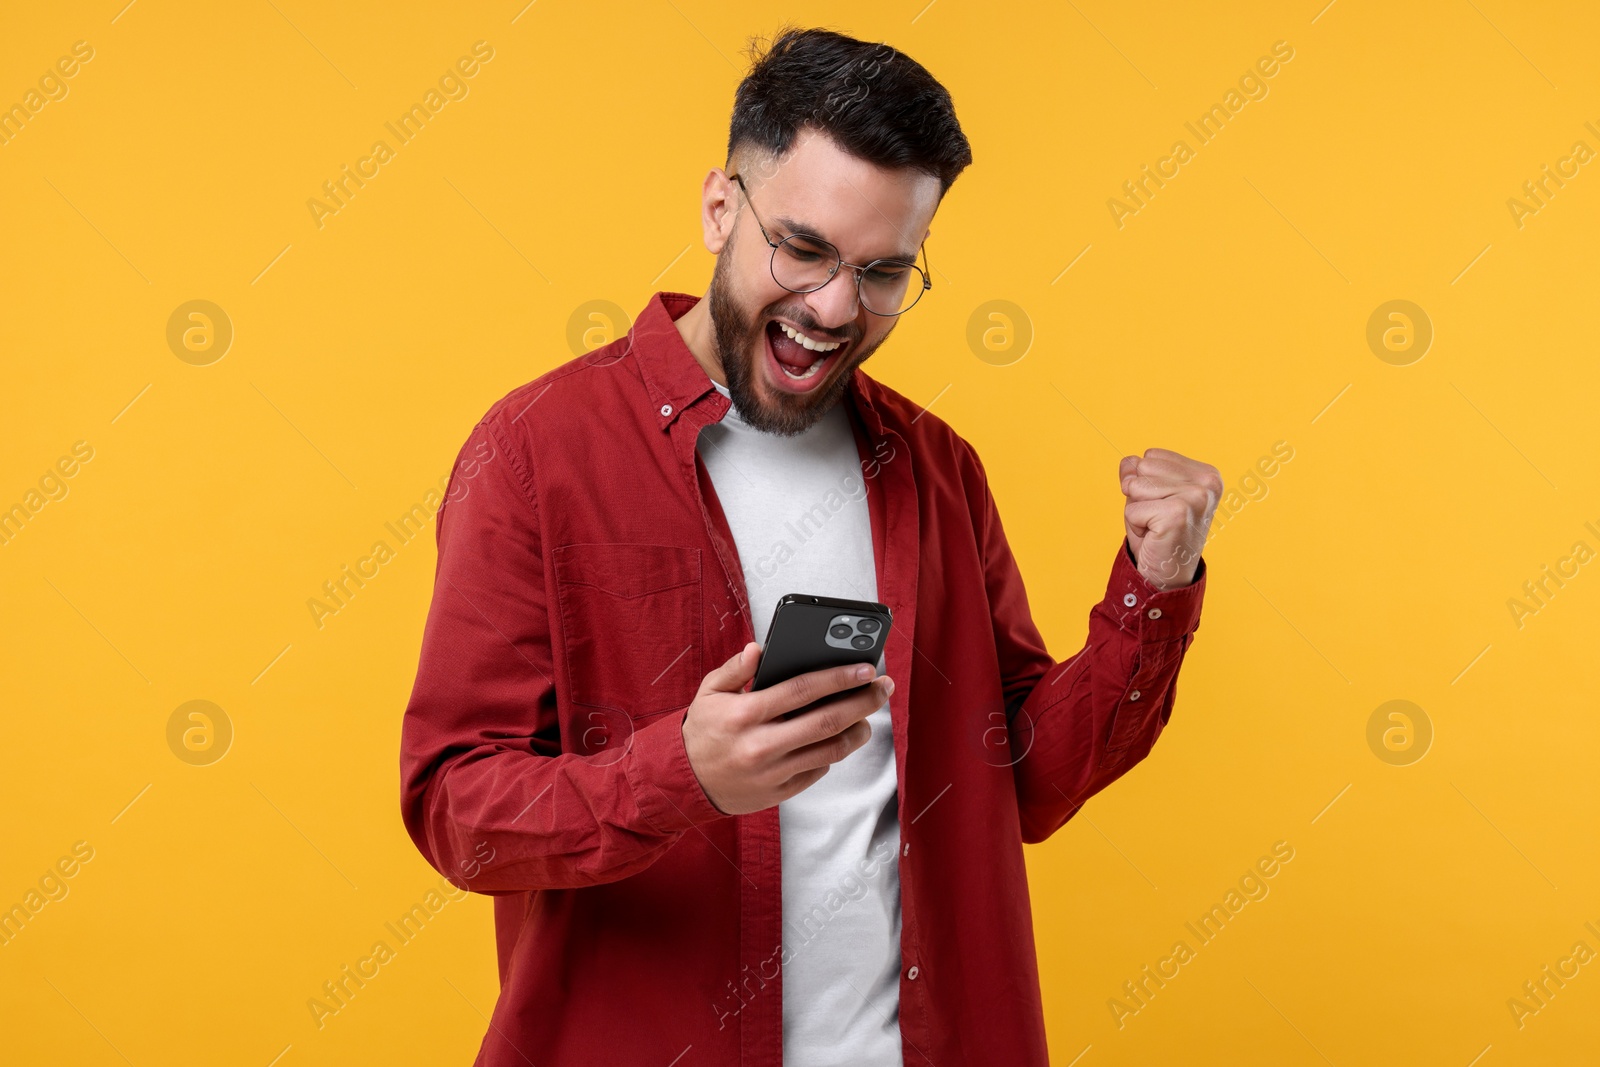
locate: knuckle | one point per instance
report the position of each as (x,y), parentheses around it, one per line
(744,713)
(745,752)
(802,690)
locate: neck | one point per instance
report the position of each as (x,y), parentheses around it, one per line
(694,326)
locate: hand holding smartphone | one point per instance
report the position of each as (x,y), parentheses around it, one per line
(811,633)
(815,645)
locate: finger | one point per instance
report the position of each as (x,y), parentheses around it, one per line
(1134,520)
(1149,484)
(807,688)
(1152,486)
(1156,460)
(1177,459)
(1202,474)
(1165,467)
(1157,472)
(831,716)
(801,782)
(732,675)
(1157,517)
(827,751)
(1197,499)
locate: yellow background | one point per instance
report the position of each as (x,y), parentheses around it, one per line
(1225,316)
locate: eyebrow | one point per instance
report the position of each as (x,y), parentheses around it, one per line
(908,258)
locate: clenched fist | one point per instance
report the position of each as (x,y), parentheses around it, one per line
(1171,499)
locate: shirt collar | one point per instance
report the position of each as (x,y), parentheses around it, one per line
(675,380)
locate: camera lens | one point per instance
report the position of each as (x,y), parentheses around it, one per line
(839,629)
(861,641)
(867,626)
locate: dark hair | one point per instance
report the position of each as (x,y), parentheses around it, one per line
(878,104)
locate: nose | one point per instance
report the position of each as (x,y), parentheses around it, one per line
(835,304)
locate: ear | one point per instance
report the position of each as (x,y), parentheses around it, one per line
(719,204)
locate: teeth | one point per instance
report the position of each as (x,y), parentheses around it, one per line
(801,339)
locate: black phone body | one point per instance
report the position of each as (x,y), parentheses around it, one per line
(812,633)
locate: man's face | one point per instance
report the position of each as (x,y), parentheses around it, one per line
(866,211)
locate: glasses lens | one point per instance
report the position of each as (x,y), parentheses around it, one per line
(802,263)
(890,288)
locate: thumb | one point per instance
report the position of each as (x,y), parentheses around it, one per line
(732,676)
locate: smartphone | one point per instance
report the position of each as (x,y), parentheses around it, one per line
(812,633)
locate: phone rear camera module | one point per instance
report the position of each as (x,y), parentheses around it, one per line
(853,632)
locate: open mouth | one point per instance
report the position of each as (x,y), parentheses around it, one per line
(798,363)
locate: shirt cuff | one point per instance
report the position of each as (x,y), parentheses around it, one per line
(1147,612)
(665,788)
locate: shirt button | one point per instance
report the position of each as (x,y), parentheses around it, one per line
(1153,613)
(1133,695)
(912,973)
(1130,600)
(666,409)
(905,849)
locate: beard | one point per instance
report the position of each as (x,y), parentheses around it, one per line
(741,343)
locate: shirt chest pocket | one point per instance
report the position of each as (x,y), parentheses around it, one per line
(631,617)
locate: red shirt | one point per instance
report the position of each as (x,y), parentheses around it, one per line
(586,583)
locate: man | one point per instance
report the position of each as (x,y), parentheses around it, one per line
(680,875)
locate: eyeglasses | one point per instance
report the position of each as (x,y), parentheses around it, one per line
(803,264)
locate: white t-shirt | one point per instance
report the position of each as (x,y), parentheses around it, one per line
(797,508)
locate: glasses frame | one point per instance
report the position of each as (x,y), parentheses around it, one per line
(927,277)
